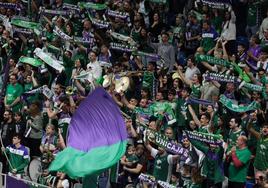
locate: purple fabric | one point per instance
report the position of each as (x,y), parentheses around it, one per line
(97,122)
(12,183)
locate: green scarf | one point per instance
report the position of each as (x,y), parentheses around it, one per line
(238,108)
(253,87)
(205,137)
(25,24)
(159,1)
(90,5)
(31,61)
(212,60)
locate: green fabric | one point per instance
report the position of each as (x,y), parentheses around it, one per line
(159,1)
(252,16)
(240,174)
(73,2)
(183,115)
(232,138)
(12,92)
(25,24)
(207,42)
(17,158)
(158,108)
(217,22)
(31,98)
(261,159)
(242,74)
(161,167)
(90,5)
(80,164)
(238,108)
(210,168)
(148,81)
(31,61)
(143,114)
(212,60)
(90,181)
(196,92)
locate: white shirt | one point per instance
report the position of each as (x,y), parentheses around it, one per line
(190,72)
(229,28)
(95,68)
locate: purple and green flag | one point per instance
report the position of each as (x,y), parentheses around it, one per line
(97,137)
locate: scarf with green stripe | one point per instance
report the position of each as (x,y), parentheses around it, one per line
(238,108)
(212,60)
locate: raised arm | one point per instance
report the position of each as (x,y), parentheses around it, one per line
(185,80)
(196,120)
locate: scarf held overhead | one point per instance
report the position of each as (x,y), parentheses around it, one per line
(205,137)
(238,108)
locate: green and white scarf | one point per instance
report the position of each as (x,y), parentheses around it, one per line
(31,61)
(159,1)
(121,37)
(90,5)
(204,137)
(49,60)
(252,87)
(99,23)
(212,60)
(238,108)
(25,24)
(61,34)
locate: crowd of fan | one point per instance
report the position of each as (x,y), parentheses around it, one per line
(159,46)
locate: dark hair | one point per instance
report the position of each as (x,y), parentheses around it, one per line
(207,22)
(237,120)
(207,116)
(19,136)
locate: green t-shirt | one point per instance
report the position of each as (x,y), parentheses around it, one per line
(196,92)
(14,91)
(161,166)
(232,138)
(182,113)
(211,167)
(261,159)
(240,174)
